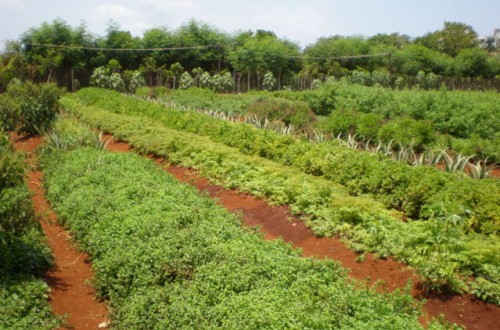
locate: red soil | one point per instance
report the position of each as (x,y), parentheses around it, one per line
(277,221)
(70,294)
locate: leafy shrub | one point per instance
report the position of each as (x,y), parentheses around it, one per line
(38,105)
(133,80)
(408,132)
(295,113)
(269,82)
(24,304)
(186,81)
(10,112)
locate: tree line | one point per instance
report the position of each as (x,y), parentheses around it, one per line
(58,52)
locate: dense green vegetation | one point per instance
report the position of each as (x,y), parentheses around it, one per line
(56,51)
(163,263)
(430,121)
(417,191)
(443,248)
(24,255)
(409,116)
(29,108)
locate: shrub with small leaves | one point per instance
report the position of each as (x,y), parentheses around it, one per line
(186,81)
(269,82)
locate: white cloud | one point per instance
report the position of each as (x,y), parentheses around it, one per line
(168,4)
(12,4)
(129,18)
(112,10)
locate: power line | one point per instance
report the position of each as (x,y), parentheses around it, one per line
(340,57)
(117,49)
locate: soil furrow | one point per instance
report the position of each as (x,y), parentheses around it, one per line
(71,295)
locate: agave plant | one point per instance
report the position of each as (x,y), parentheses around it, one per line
(100,143)
(384,148)
(55,141)
(455,163)
(480,170)
(403,153)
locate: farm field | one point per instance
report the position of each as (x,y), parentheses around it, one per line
(196,265)
(160,261)
(190,177)
(464,121)
(329,209)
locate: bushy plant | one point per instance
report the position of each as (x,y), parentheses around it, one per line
(38,105)
(10,112)
(408,132)
(186,81)
(134,80)
(295,113)
(269,82)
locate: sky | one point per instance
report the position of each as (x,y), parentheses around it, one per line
(299,21)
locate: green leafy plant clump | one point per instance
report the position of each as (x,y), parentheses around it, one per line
(436,247)
(166,257)
(29,108)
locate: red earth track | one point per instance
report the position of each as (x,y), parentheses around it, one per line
(277,221)
(70,294)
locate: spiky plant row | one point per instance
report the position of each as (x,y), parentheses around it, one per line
(397,152)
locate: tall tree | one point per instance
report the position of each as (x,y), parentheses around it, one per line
(451,39)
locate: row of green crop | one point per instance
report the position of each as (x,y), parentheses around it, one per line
(420,192)
(465,122)
(457,113)
(440,249)
(24,254)
(168,258)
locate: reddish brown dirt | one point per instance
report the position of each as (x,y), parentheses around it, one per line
(277,221)
(70,294)
(495,172)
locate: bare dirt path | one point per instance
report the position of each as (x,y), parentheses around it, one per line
(70,294)
(277,221)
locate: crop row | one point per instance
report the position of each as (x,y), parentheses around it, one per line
(24,254)
(440,249)
(167,258)
(420,192)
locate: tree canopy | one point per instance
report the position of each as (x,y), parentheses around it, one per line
(56,51)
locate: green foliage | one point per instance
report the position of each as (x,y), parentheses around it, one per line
(290,113)
(24,304)
(408,132)
(24,254)
(464,115)
(68,134)
(397,185)
(186,81)
(38,105)
(10,112)
(269,82)
(328,208)
(105,77)
(163,263)
(451,39)
(133,80)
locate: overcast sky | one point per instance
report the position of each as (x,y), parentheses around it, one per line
(300,21)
